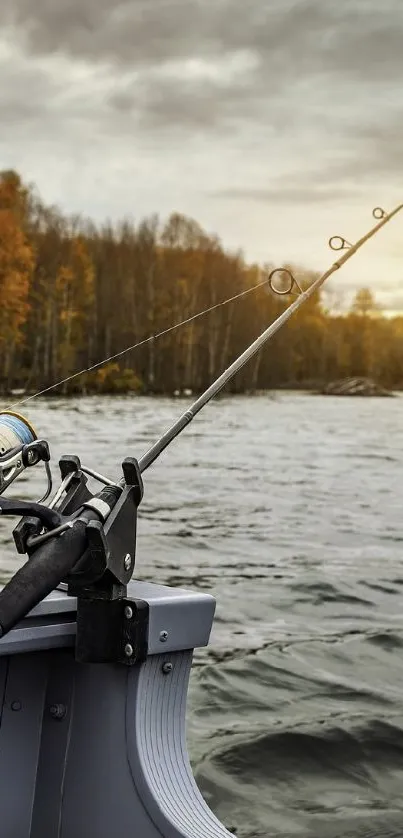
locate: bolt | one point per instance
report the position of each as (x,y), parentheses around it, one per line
(128,612)
(19,464)
(128,650)
(16,705)
(128,561)
(167,667)
(58,711)
(163,636)
(31,457)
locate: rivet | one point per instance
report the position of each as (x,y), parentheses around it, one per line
(16,705)
(128,650)
(163,636)
(167,667)
(58,711)
(128,561)
(128,612)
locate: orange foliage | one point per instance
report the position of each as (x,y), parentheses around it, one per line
(72,293)
(75,293)
(16,267)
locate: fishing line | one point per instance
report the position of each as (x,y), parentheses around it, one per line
(14,430)
(266,281)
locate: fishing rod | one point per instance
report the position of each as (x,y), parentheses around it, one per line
(335,243)
(86,541)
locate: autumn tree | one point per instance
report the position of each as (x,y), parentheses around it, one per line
(16,266)
(73,293)
(364,303)
(74,285)
(361,332)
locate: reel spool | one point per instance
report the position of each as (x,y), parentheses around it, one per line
(19,449)
(15,431)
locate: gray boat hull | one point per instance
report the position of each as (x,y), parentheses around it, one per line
(99,750)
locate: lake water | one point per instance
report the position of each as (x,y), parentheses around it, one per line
(288,508)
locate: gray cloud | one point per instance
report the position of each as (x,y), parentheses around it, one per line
(358,39)
(129,33)
(346,36)
(283,65)
(372,155)
(259,103)
(308,194)
(137,31)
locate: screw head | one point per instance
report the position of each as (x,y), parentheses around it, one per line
(128,650)
(58,711)
(167,667)
(128,561)
(128,612)
(163,636)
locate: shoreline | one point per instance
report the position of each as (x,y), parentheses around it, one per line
(317,389)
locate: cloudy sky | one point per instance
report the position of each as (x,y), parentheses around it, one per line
(275,123)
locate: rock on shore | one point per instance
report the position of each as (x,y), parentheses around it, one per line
(355,387)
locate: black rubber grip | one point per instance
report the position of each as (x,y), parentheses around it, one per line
(48,565)
(46,568)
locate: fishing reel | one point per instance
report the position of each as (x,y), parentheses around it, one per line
(20,449)
(80,542)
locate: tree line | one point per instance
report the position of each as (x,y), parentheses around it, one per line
(73,293)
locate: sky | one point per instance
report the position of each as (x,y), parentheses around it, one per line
(274,123)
